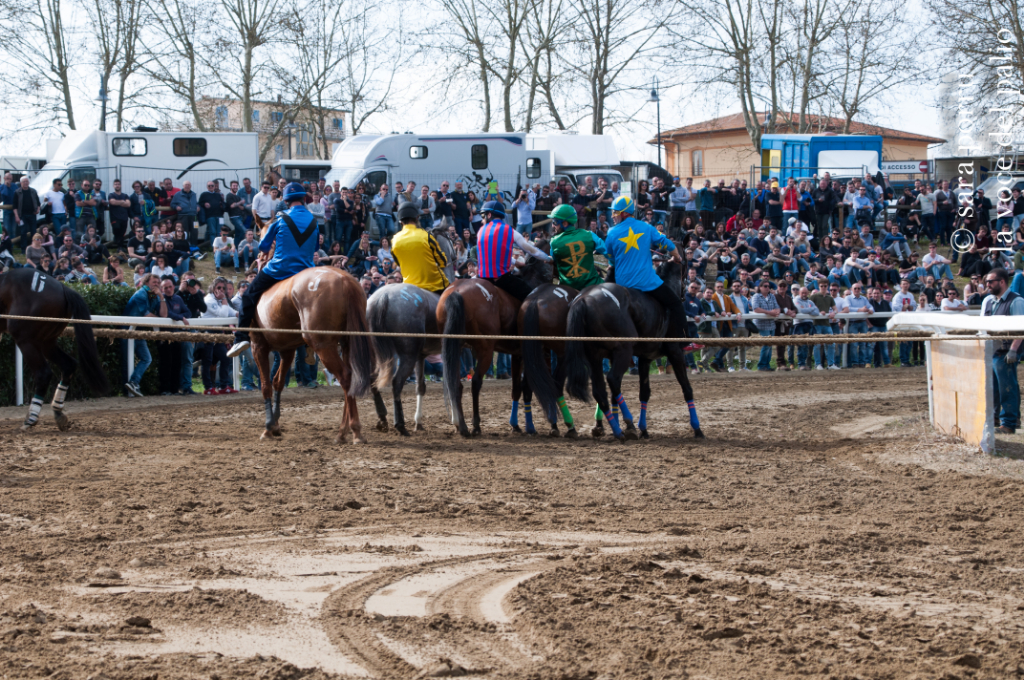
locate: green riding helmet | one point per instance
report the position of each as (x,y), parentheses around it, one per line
(566,213)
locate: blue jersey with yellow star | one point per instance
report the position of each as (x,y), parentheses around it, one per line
(628,247)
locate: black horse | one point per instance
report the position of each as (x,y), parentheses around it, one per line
(609,310)
(29,292)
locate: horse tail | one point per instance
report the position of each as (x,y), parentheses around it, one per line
(576,369)
(360,354)
(541,382)
(383,346)
(88,355)
(451,348)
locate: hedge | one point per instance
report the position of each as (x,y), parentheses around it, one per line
(103,300)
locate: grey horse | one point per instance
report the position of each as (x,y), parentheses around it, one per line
(404,308)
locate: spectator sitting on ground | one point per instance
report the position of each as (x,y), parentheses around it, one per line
(224,247)
(952,301)
(81,273)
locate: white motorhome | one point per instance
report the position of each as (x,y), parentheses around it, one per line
(302,170)
(510,159)
(183,156)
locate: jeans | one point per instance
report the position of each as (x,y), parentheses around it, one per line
(28,227)
(504,365)
(386,226)
(830,350)
(858,350)
(880,348)
(343,234)
(59,220)
(1007,397)
(937,270)
(905,353)
(918,274)
(215,353)
(943,226)
(803,350)
(707,355)
(143,358)
(842,279)
(898,248)
(222,254)
(928,226)
(187,350)
(765,361)
(525,228)
(239,227)
(183,266)
(212,228)
(249,370)
(305,374)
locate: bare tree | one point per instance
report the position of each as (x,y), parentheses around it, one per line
(175,58)
(464,37)
(545,34)
(115,30)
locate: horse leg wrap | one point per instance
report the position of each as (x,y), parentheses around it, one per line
(528,414)
(694,421)
(58,397)
(643,415)
(33,411)
(513,419)
(613,420)
(598,414)
(566,416)
(625,409)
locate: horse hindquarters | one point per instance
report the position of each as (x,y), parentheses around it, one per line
(576,354)
(540,381)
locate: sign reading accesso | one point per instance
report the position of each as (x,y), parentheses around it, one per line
(905,167)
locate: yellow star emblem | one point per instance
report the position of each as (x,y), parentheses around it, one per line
(631,240)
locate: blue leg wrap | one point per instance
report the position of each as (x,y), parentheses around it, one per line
(528,414)
(694,421)
(624,409)
(613,420)
(643,415)
(513,419)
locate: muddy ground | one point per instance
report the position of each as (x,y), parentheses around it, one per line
(821,530)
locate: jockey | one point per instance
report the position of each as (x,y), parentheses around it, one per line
(494,243)
(295,232)
(628,248)
(573,250)
(417,253)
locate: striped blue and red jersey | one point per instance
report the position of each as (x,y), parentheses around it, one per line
(494,244)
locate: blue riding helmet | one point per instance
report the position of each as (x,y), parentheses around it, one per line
(623,204)
(493,207)
(293,191)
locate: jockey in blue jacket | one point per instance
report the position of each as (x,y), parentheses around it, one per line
(294,231)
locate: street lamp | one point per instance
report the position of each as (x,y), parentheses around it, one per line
(103,99)
(289,126)
(657,102)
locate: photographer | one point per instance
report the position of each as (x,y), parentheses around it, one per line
(524,205)
(95,251)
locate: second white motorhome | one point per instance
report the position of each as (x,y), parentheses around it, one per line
(511,160)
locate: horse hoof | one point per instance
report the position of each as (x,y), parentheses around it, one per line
(554,433)
(400,429)
(572,433)
(697,434)
(358,439)
(515,430)
(630,427)
(267,434)
(630,434)
(465,433)
(644,435)
(63,424)
(476,432)
(419,428)
(531,432)
(597,432)
(621,439)
(382,426)
(26,426)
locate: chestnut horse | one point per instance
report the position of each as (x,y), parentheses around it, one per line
(315,299)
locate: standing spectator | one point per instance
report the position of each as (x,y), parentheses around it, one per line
(427,206)
(86,211)
(344,211)
(384,212)
(706,205)
(169,353)
(7,190)
(247,193)
(263,206)
(726,327)
(213,205)
(784,298)
(224,247)
(858,353)
(790,201)
(708,326)
(741,329)
(823,323)
(58,212)
(236,210)
(191,292)
(26,209)
(186,203)
(1001,301)
(461,209)
(146,302)
(763,302)
(926,202)
(218,306)
(804,305)
(524,205)
(444,211)
(878,352)
(119,206)
(903,301)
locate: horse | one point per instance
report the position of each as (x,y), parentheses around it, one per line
(404,308)
(315,299)
(544,312)
(30,292)
(610,310)
(478,307)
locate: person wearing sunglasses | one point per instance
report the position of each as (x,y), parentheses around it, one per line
(1001,301)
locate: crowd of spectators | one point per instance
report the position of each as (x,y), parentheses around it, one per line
(809,247)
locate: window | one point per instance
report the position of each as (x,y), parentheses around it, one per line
(221,115)
(375,180)
(338,123)
(277,116)
(255,115)
(479,155)
(129,146)
(533,168)
(81,174)
(697,163)
(189,146)
(418,152)
(278,151)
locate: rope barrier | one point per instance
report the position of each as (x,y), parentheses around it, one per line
(167,336)
(710,342)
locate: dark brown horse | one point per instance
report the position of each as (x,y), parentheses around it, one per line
(29,292)
(478,307)
(316,299)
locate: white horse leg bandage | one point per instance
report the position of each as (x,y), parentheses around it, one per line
(58,397)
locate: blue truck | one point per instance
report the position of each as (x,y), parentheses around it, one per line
(804,156)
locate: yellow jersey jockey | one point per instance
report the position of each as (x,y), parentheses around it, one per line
(417,253)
